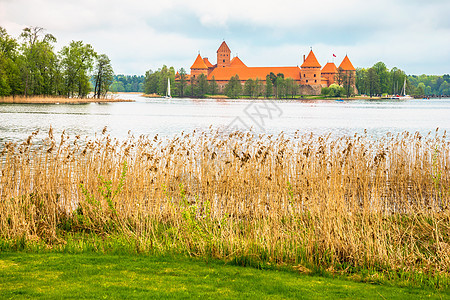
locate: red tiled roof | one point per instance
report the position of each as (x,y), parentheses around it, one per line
(329,68)
(224,48)
(199,63)
(346,65)
(311,61)
(236,62)
(246,73)
(207,63)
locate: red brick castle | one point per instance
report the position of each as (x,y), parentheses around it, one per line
(310,75)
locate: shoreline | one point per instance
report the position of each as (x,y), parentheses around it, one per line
(57,100)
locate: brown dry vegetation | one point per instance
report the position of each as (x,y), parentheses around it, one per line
(55,99)
(332,203)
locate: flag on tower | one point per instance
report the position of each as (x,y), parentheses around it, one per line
(334,55)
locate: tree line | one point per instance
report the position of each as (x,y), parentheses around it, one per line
(278,86)
(379,80)
(430,85)
(128,83)
(29,66)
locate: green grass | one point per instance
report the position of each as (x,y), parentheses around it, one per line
(96,275)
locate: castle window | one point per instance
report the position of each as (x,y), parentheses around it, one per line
(306,80)
(224,60)
(314,75)
(304,75)
(315,80)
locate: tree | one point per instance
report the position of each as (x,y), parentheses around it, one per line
(269,86)
(348,85)
(383,77)
(104,76)
(77,61)
(291,87)
(373,82)
(335,90)
(233,89)
(258,91)
(10,81)
(249,87)
(202,85)
(39,61)
(181,85)
(213,86)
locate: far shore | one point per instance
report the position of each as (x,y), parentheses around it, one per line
(57,100)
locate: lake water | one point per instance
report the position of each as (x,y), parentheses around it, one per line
(171,117)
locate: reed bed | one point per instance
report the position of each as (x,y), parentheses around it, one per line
(56,100)
(311,202)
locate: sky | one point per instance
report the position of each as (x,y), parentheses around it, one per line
(413,35)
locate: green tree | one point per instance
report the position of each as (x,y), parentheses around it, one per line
(373,82)
(249,87)
(202,86)
(77,61)
(39,61)
(151,82)
(383,77)
(291,87)
(335,90)
(269,86)
(213,86)
(258,91)
(182,82)
(104,76)
(10,81)
(233,89)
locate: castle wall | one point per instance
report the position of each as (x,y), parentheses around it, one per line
(331,77)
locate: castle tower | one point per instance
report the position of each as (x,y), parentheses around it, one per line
(199,67)
(329,72)
(223,55)
(349,71)
(310,70)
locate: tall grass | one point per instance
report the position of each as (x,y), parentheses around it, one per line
(307,201)
(56,99)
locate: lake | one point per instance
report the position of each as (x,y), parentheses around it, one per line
(170,117)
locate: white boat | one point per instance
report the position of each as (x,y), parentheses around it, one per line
(403,95)
(168,89)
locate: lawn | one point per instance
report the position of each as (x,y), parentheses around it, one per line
(61,275)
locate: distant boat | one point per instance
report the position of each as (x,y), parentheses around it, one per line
(403,95)
(168,89)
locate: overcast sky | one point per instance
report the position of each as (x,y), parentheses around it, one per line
(413,35)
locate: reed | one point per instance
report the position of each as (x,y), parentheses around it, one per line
(311,202)
(56,100)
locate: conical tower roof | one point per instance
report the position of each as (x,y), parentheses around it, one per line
(224,48)
(346,65)
(199,63)
(311,61)
(329,68)
(236,62)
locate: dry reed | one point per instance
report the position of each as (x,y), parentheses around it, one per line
(304,200)
(56,99)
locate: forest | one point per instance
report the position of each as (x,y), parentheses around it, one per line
(379,80)
(29,66)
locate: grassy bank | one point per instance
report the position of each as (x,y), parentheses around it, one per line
(93,275)
(354,206)
(57,100)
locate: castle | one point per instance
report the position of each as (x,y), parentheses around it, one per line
(310,76)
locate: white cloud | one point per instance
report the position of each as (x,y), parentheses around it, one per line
(138,35)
